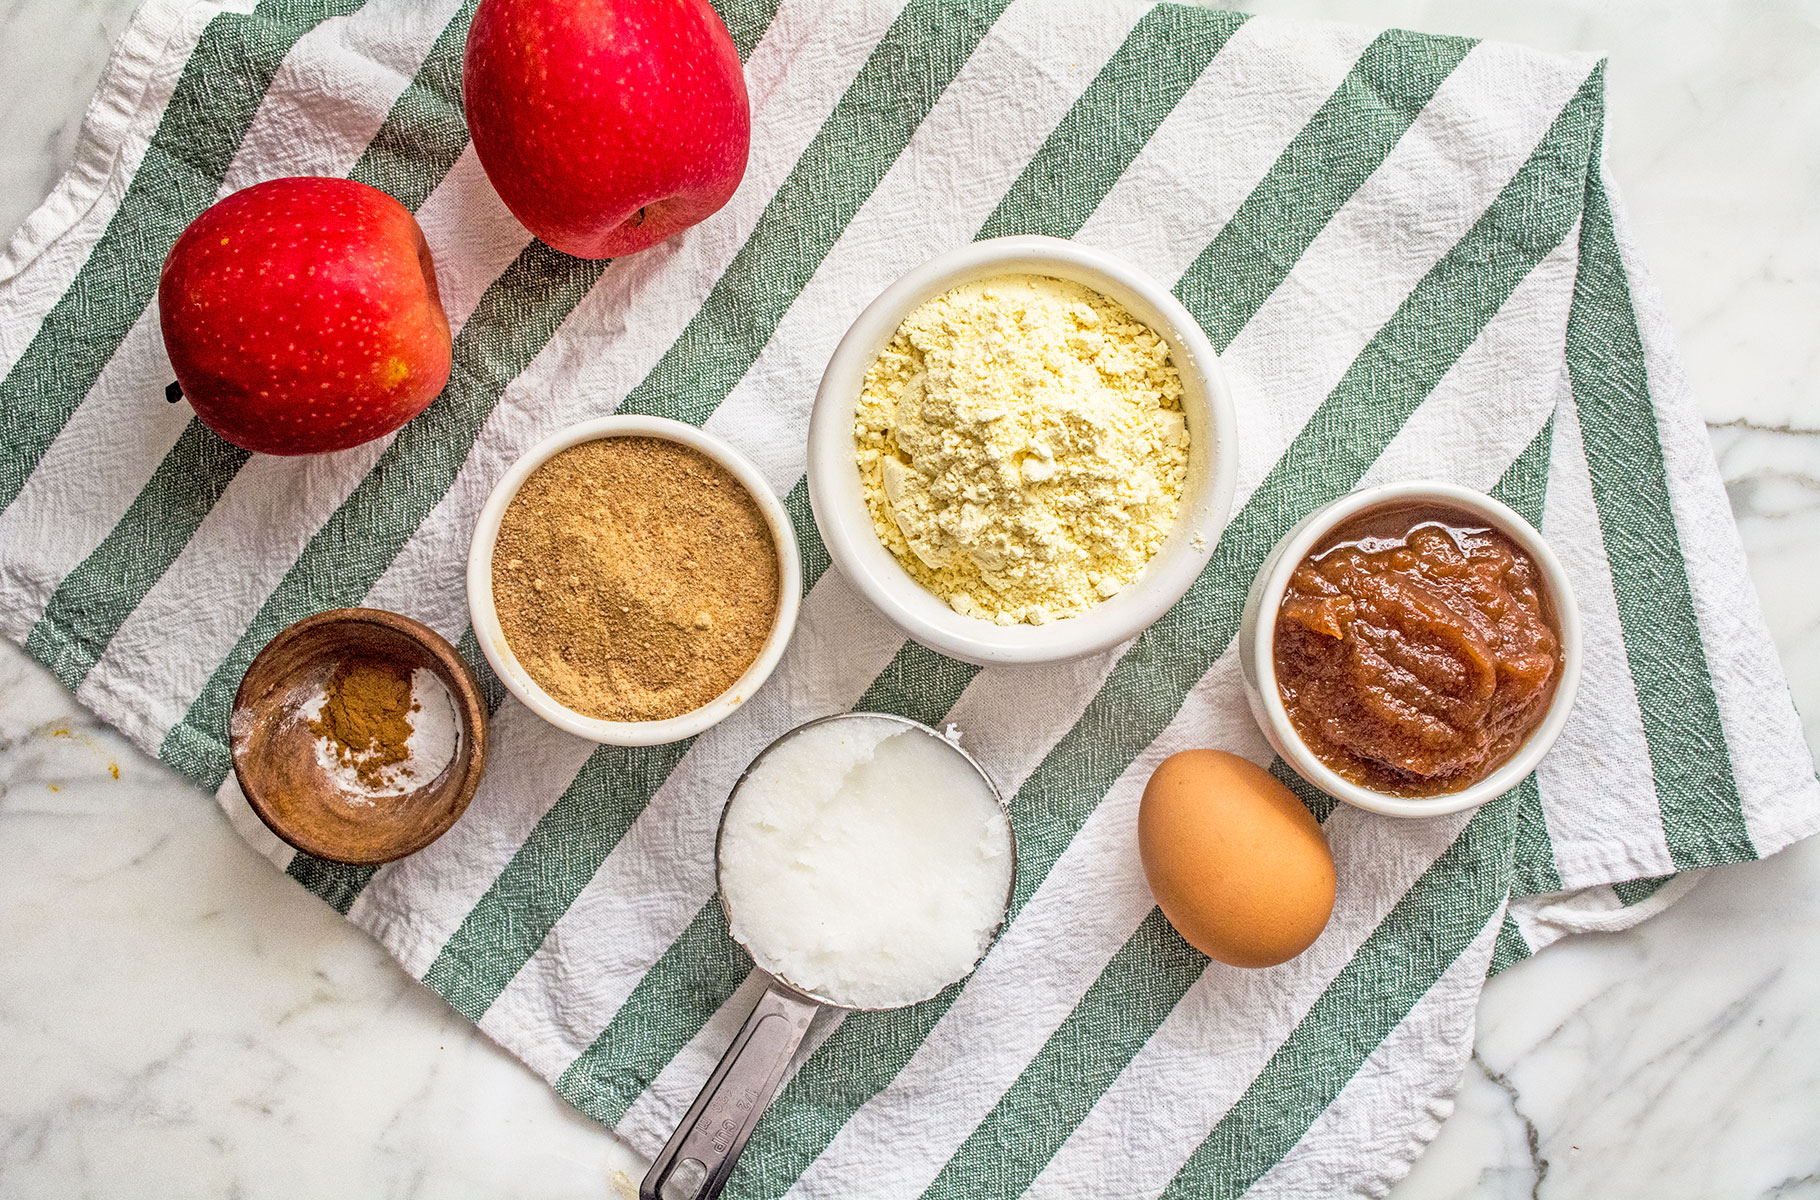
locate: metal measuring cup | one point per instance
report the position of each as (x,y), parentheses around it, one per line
(699,1157)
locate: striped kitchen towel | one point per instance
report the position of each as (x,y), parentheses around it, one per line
(1403,247)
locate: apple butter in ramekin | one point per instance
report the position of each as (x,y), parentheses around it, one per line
(1416,649)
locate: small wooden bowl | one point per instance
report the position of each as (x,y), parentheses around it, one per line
(275,751)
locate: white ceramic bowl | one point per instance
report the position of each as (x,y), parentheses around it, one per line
(839,502)
(1257,663)
(506,665)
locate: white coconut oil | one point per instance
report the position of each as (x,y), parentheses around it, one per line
(865,861)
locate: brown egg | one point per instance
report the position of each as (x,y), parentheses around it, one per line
(1238,865)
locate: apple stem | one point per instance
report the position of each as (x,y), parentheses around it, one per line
(638,218)
(173,392)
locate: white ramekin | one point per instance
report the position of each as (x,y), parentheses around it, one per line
(839,502)
(505,663)
(1257,663)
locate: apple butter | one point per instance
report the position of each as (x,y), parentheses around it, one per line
(1416,648)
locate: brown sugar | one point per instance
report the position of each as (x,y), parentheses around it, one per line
(635,579)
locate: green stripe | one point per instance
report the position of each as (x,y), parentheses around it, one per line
(95,599)
(1701,813)
(1396,371)
(492,691)
(1533,869)
(1318,172)
(1056,1090)
(809,545)
(1313,798)
(86,610)
(425,131)
(747,21)
(1636,891)
(1524,487)
(415,147)
(208,115)
(900,82)
(515,318)
(918,683)
(1524,484)
(1510,948)
(1163,55)
(1423,935)
(693,978)
(507,924)
(336,884)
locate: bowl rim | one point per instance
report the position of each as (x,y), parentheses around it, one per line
(838,501)
(455,675)
(1274,581)
(485,617)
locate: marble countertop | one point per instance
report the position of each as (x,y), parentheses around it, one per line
(176,1018)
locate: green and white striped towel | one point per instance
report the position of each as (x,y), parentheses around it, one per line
(1404,249)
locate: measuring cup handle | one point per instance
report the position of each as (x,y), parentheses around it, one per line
(695,1163)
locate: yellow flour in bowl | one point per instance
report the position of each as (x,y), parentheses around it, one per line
(1022,447)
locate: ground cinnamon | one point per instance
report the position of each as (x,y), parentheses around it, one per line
(635,579)
(366,717)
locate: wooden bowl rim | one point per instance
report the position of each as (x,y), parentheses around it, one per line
(455,674)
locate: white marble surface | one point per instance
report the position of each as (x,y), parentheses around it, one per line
(178,1019)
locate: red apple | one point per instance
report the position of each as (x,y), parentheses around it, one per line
(606,125)
(302,315)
